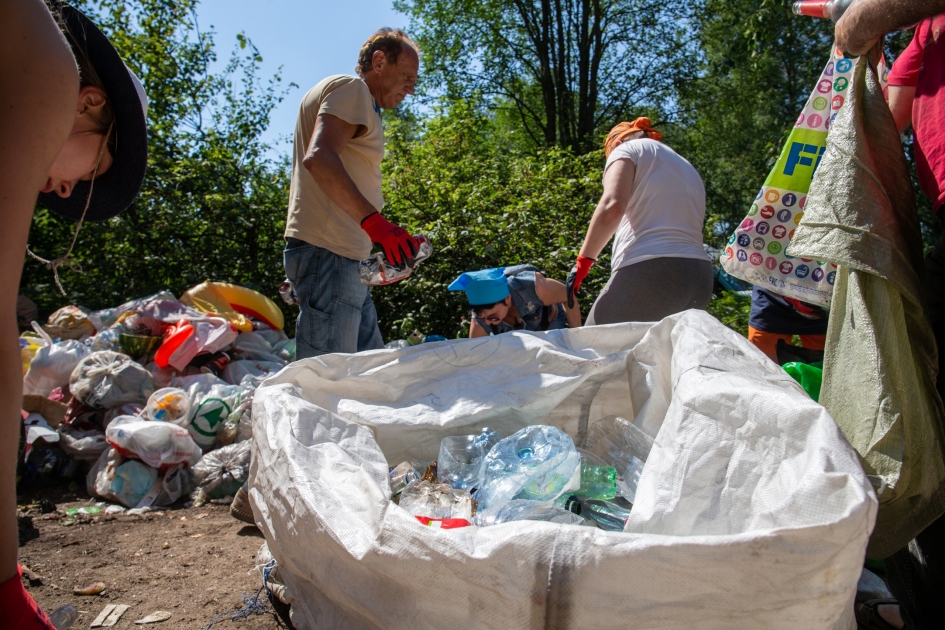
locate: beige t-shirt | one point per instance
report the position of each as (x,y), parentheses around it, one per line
(313,217)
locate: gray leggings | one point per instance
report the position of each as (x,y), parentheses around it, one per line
(650,290)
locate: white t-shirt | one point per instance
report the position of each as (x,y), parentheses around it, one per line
(667,207)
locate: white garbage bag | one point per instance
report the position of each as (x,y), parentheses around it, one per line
(212,400)
(52,366)
(155,443)
(105,380)
(751,512)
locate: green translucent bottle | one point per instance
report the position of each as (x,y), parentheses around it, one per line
(598,482)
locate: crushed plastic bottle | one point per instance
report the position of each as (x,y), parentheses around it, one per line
(436,500)
(459,462)
(619,443)
(609,515)
(400,477)
(62,618)
(376,271)
(598,482)
(462,456)
(488,438)
(538,463)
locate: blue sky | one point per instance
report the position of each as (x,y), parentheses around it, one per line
(310,39)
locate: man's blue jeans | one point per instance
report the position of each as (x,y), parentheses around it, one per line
(337,313)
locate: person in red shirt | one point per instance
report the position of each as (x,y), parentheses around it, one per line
(916,573)
(914,84)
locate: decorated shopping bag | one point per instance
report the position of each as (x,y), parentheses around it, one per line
(756,251)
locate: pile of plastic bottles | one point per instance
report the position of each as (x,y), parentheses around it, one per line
(535,474)
(150,400)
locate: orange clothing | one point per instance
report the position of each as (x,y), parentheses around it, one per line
(767,342)
(620,132)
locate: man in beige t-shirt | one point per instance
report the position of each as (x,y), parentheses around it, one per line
(335,197)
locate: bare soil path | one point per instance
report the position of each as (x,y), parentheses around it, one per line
(194,563)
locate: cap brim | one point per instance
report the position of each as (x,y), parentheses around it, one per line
(115,189)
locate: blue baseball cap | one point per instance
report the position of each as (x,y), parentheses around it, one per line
(482,287)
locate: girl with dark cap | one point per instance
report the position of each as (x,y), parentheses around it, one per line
(73,134)
(654,201)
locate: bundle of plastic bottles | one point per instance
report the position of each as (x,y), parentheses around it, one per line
(536,474)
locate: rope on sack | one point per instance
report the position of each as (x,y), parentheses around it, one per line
(67,260)
(251,603)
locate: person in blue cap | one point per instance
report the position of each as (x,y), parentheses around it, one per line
(515,298)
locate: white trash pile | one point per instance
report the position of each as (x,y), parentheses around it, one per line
(155,396)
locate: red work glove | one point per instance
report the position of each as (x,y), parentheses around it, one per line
(577,275)
(399,247)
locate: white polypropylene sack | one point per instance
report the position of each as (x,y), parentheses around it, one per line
(752,510)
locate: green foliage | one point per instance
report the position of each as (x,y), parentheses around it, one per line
(453,178)
(212,205)
(732,310)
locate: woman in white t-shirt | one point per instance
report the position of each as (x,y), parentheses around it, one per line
(654,202)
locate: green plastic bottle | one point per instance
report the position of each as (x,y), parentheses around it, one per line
(598,482)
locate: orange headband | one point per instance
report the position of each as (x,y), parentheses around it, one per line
(620,132)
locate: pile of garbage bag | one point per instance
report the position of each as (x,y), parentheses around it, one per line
(150,400)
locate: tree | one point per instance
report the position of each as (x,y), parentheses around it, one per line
(757,65)
(563,68)
(212,205)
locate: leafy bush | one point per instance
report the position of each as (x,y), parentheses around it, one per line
(732,310)
(483,204)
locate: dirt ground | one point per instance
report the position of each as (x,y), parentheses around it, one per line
(194,563)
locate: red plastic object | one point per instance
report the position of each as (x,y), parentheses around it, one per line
(174,338)
(443,523)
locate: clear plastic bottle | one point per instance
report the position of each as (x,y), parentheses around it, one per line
(828,9)
(459,461)
(63,618)
(376,271)
(607,514)
(488,438)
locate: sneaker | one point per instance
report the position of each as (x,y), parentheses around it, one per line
(241,509)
